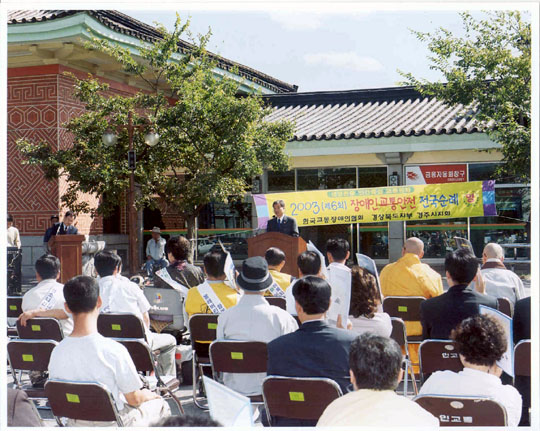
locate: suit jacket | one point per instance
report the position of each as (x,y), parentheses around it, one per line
(443,313)
(288,226)
(61,229)
(522,320)
(314,350)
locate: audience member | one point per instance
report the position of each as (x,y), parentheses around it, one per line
(500,282)
(480,341)
(179,269)
(155,252)
(213,295)
(442,314)
(375,370)
(339,278)
(253,319)
(337,252)
(316,349)
(13,237)
(87,356)
(521,325)
(188,420)
(21,412)
(66,227)
(365,300)
(119,295)
(276,260)
(309,263)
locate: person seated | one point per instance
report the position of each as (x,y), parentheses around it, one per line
(309,263)
(365,301)
(253,319)
(375,370)
(316,349)
(212,296)
(179,269)
(21,411)
(188,420)
(481,342)
(46,299)
(521,325)
(119,295)
(155,252)
(87,356)
(276,260)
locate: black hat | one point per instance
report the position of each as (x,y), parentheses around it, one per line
(255,275)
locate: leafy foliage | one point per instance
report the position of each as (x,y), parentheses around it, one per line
(489,70)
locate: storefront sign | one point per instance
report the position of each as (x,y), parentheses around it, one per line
(435,174)
(373,205)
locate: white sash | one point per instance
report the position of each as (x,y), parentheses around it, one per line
(47,303)
(210,297)
(275,290)
(166,277)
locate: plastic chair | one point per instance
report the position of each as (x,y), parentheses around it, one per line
(407,308)
(463,410)
(504,305)
(239,357)
(438,355)
(89,401)
(399,334)
(277,301)
(298,397)
(40,328)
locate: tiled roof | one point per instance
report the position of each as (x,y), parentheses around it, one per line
(125,24)
(372,113)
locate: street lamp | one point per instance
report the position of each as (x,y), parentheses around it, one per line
(151,139)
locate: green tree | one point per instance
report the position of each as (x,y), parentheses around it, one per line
(213,140)
(488,70)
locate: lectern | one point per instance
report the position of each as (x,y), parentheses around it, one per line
(290,245)
(68,248)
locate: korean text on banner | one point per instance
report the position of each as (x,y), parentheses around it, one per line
(379,204)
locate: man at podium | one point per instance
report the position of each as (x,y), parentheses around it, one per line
(281,222)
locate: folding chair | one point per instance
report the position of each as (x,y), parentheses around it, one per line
(121,325)
(522,377)
(144,361)
(29,355)
(239,357)
(298,397)
(87,401)
(277,301)
(464,410)
(40,328)
(438,355)
(407,308)
(202,328)
(14,309)
(504,305)
(399,334)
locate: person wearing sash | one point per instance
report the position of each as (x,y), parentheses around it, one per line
(276,260)
(253,319)
(213,296)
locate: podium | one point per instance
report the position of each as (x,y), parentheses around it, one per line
(290,245)
(67,248)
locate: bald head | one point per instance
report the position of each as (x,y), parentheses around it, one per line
(493,251)
(414,246)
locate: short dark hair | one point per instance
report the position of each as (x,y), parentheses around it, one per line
(55,217)
(214,263)
(338,248)
(274,256)
(9,217)
(187,420)
(106,262)
(365,295)
(481,340)
(47,266)
(309,263)
(81,294)
(462,265)
(280,202)
(179,247)
(375,362)
(70,213)
(313,294)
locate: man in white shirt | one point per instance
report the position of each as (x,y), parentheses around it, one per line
(500,282)
(13,237)
(309,263)
(122,296)
(155,252)
(339,277)
(87,356)
(253,319)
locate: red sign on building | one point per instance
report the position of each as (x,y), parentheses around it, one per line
(435,174)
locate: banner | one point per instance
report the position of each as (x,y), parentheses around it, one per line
(380,204)
(435,174)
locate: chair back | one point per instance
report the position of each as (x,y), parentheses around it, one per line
(406,308)
(14,306)
(298,397)
(522,358)
(464,410)
(166,305)
(40,328)
(202,328)
(238,357)
(438,355)
(399,332)
(277,301)
(120,325)
(30,354)
(504,305)
(140,354)
(88,401)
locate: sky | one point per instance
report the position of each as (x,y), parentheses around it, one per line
(320,50)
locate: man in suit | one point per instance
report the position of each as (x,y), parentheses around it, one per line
(281,222)
(66,226)
(443,313)
(316,349)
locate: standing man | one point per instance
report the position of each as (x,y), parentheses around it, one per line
(155,252)
(49,232)
(281,222)
(66,226)
(13,237)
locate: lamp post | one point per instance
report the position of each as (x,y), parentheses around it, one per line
(151,139)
